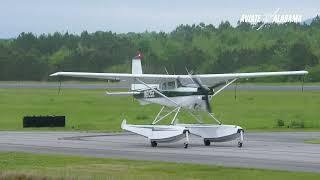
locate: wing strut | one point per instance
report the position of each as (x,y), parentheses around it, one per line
(229,83)
(159,119)
(155,119)
(175,116)
(211,115)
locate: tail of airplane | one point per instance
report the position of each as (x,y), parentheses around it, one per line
(136,68)
(136,64)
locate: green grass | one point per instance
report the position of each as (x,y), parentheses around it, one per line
(313,141)
(264,109)
(24,166)
(94,111)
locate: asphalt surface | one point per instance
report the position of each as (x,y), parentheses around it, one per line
(125,86)
(278,151)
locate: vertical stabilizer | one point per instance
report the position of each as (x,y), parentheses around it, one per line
(136,65)
(136,68)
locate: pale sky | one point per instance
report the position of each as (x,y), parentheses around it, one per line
(121,16)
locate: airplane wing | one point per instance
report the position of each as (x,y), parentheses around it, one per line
(212,79)
(147,78)
(206,79)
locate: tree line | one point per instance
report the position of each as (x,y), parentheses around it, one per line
(202,48)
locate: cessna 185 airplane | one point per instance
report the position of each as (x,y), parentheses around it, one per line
(189,92)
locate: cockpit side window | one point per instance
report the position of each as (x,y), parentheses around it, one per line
(171,85)
(168,85)
(164,85)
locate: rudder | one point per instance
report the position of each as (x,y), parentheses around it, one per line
(136,68)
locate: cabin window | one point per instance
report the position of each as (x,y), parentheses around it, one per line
(164,86)
(168,85)
(171,85)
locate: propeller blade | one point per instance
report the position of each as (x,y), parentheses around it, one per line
(196,80)
(208,106)
(206,90)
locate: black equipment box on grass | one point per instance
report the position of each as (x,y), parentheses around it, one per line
(44,121)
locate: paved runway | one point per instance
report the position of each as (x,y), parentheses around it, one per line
(279,151)
(125,86)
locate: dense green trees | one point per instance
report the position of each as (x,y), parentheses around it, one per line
(201,48)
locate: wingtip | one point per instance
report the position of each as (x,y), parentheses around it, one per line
(54,74)
(302,72)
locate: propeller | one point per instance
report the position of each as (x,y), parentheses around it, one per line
(204,89)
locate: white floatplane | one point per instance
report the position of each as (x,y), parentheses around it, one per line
(189,92)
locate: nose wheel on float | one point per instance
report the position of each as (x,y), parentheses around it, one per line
(186,144)
(154,144)
(206,142)
(240,142)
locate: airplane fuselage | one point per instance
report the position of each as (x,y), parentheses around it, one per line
(187,97)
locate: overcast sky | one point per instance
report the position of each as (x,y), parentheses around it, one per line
(121,16)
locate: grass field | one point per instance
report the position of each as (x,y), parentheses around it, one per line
(313,141)
(31,166)
(92,110)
